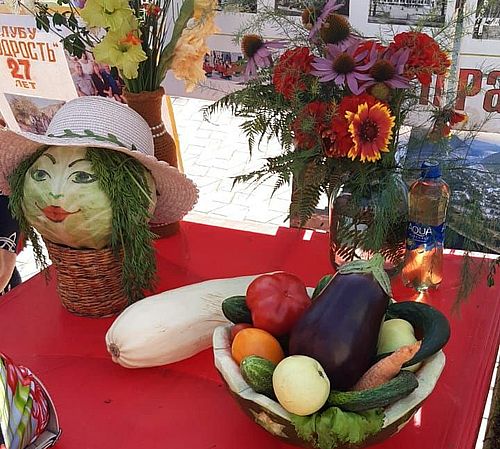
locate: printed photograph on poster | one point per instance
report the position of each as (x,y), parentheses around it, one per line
(33,114)
(91,78)
(224,65)
(383,19)
(295,7)
(487,20)
(430,13)
(481,29)
(237,6)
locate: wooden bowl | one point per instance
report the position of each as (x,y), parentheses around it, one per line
(276,420)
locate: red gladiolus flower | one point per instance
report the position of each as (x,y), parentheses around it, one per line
(426,57)
(290,73)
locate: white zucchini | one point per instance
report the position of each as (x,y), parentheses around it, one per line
(172,325)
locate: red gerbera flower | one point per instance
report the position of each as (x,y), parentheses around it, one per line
(310,124)
(426,57)
(371,131)
(338,132)
(291,71)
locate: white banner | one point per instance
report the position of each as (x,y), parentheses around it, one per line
(35,80)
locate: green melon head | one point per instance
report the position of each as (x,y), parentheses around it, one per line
(64,199)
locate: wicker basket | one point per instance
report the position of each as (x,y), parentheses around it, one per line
(89,281)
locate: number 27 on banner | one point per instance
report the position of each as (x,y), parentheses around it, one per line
(20,69)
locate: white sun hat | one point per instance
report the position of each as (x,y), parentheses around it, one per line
(103,123)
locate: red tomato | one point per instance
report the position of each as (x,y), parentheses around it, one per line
(238,327)
(277,301)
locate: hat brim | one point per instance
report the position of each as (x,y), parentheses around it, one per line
(177,194)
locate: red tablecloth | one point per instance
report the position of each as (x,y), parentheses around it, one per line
(184,405)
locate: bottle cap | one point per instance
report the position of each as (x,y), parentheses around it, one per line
(431,170)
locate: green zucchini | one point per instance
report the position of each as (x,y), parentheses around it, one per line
(357,401)
(429,323)
(258,373)
(235,309)
(321,285)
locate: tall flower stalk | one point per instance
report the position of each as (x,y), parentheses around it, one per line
(143,40)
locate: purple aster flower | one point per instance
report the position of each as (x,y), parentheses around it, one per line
(258,53)
(389,69)
(344,67)
(330,6)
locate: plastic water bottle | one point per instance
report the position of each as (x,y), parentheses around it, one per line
(428,200)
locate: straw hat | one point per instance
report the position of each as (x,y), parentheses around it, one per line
(104,123)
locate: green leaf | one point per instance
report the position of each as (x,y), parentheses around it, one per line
(375,266)
(322,284)
(42,22)
(58,19)
(333,427)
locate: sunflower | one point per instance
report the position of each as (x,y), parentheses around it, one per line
(371,130)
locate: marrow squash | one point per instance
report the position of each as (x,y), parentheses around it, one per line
(172,325)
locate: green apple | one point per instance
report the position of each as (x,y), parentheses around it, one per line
(394,334)
(301,385)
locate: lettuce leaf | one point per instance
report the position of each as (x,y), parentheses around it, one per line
(333,427)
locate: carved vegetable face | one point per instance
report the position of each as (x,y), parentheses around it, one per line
(64,202)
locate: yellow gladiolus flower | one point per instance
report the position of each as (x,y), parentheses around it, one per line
(115,15)
(187,62)
(122,52)
(204,8)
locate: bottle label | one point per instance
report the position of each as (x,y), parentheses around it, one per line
(419,234)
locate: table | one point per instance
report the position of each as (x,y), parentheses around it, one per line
(184,405)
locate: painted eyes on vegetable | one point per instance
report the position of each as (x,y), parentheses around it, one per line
(83,177)
(39,175)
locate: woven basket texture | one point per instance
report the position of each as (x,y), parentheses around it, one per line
(89,281)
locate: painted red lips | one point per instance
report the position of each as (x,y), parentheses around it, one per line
(57,214)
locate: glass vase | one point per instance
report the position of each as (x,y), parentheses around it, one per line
(367,221)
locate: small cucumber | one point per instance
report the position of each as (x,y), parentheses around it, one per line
(258,373)
(356,401)
(235,310)
(427,321)
(321,284)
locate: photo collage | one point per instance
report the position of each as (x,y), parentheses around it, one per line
(91,78)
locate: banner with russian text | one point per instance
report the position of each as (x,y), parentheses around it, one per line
(35,80)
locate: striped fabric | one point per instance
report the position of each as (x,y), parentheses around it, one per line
(24,410)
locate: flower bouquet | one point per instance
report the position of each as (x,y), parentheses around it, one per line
(337,103)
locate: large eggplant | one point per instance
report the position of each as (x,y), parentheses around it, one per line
(340,330)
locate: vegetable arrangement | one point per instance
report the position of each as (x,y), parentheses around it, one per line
(335,362)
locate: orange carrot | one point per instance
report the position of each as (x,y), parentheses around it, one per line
(387,368)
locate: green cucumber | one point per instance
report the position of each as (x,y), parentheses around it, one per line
(258,373)
(235,309)
(427,321)
(357,401)
(321,285)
